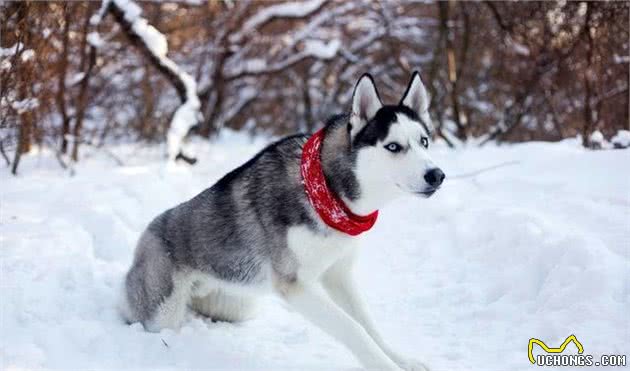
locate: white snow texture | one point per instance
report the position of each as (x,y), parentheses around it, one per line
(622,138)
(287,10)
(460,281)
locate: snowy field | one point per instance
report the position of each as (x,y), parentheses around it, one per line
(462,281)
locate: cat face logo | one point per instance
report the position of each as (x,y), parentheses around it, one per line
(559,349)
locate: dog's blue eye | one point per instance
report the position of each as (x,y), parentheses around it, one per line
(425,142)
(393,147)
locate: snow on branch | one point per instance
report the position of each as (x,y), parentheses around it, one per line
(321,50)
(244,98)
(298,9)
(312,49)
(317,21)
(153,45)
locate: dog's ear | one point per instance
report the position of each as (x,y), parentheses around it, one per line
(416,96)
(365,104)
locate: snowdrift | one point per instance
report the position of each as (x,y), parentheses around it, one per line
(462,280)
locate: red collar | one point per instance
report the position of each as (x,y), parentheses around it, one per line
(333,211)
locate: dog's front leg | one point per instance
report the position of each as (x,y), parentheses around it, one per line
(315,306)
(339,284)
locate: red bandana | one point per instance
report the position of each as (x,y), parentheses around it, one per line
(330,208)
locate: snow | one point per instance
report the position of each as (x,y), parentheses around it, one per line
(186,116)
(597,137)
(462,280)
(94,39)
(5,65)
(98,17)
(621,139)
(25,105)
(76,78)
(155,41)
(27,55)
(320,49)
(286,10)
(7,52)
(317,21)
(621,58)
(254,64)
(518,48)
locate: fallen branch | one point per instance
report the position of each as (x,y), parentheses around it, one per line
(4,155)
(90,143)
(483,170)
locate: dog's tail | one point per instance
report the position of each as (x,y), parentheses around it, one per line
(122,306)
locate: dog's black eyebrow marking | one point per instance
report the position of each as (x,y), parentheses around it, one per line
(426,128)
(378,127)
(416,117)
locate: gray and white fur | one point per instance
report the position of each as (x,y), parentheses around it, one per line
(254,232)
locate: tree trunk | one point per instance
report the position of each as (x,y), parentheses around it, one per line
(82,103)
(588,88)
(61,90)
(308,110)
(26,119)
(24,133)
(212,109)
(444,10)
(88,60)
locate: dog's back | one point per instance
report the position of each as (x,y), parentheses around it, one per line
(233,232)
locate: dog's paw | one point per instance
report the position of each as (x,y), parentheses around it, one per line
(409,364)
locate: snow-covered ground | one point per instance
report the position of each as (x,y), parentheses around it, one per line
(462,281)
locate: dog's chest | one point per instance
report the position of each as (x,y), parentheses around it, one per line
(316,252)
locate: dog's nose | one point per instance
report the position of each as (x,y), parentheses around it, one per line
(434,177)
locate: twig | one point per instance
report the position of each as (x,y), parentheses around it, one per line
(483,170)
(62,163)
(4,155)
(58,155)
(108,152)
(91,143)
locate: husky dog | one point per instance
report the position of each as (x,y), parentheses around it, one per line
(258,230)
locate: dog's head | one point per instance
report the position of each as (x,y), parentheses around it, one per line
(391,143)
